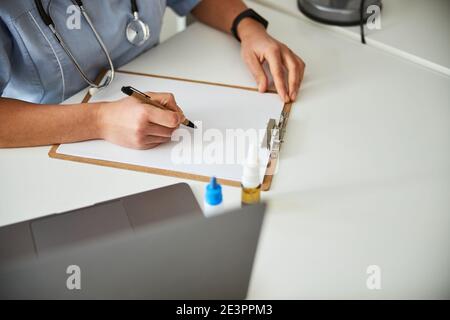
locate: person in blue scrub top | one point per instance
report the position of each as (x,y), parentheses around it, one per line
(52,49)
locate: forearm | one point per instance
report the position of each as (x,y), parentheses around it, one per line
(26,124)
(219,14)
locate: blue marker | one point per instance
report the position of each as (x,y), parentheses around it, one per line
(213,198)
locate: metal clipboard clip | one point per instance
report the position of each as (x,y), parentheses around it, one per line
(274,136)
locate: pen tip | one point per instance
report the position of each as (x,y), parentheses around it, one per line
(189,123)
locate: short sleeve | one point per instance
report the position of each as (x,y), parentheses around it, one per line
(5,57)
(182,7)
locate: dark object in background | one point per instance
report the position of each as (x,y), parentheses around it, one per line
(338,12)
(151,245)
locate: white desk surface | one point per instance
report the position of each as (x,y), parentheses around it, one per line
(418,30)
(364,177)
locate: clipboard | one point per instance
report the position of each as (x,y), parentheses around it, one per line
(273,141)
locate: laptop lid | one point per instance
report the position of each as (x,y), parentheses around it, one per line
(132,248)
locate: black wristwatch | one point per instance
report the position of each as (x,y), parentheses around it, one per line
(249,13)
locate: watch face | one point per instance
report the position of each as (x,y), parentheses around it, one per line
(137,32)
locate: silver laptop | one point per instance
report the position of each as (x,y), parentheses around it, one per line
(152,245)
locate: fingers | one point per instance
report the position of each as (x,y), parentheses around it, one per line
(157,127)
(257,71)
(153,129)
(166,118)
(275,61)
(150,140)
(143,142)
(295,68)
(147,146)
(168,101)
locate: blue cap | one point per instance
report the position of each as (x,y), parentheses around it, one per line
(213,194)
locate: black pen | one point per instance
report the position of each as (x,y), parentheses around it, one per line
(146,98)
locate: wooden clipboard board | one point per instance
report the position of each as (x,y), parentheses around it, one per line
(270,170)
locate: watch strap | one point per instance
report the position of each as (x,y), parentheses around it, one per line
(249,13)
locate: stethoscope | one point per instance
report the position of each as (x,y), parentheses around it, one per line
(137,33)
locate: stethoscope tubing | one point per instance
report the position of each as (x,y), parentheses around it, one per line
(49,22)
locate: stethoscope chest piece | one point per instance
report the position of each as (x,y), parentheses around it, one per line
(137,31)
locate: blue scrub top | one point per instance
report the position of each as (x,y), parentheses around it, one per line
(35,68)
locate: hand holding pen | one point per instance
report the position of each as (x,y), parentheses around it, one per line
(148,99)
(133,123)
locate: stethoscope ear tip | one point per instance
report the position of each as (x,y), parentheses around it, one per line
(107,79)
(93,91)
